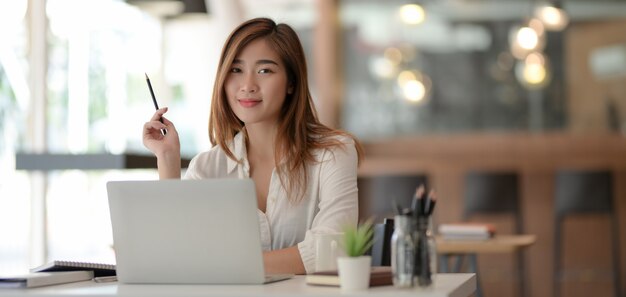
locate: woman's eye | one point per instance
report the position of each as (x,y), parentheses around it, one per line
(235,70)
(265,71)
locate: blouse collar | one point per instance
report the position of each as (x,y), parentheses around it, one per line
(238,147)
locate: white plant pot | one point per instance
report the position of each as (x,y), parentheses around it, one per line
(354,272)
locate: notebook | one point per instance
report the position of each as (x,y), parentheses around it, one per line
(99,269)
(187,232)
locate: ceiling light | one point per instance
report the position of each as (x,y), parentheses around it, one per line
(405,76)
(414,91)
(554,18)
(412,14)
(527,38)
(533,72)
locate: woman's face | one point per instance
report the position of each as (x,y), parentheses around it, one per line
(256,85)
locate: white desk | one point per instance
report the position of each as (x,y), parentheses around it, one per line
(446,285)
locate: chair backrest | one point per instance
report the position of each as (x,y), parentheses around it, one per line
(381,250)
(580,191)
(377,193)
(491,192)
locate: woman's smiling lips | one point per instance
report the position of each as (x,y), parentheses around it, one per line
(249,102)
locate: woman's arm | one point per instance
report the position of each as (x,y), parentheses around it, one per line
(169,165)
(338,199)
(283,261)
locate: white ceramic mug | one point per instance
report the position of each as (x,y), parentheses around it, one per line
(327,249)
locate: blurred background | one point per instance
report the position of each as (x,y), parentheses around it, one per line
(435,89)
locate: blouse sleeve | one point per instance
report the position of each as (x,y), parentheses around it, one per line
(203,165)
(338,198)
(192,169)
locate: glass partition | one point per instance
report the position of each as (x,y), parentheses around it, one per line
(431,69)
(14,104)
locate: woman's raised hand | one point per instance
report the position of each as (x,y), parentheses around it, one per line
(166,146)
(159,144)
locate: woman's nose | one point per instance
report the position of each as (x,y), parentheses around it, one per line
(249,84)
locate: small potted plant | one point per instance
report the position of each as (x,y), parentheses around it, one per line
(354,268)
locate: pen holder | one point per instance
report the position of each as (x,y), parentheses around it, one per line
(425,253)
(403,251)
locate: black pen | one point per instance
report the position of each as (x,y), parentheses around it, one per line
(418,193)
(416,206)
(432,199)
(156,105)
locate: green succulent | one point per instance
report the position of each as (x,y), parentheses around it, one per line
(357,240)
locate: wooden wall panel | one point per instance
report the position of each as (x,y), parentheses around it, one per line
(588,95)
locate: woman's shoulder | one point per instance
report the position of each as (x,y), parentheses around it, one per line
(208,163)
(213,153)
(218,156)
(212,163)
(336,140)
(340,143)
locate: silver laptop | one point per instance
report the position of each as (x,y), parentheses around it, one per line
(187,232)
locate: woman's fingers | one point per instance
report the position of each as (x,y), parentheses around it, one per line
(158,114)
(159,126)
(169,126)
(149,127)
(167,122)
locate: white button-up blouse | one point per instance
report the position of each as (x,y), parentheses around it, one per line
(329,204)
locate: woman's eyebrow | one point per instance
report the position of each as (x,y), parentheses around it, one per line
(266,61)
(258,62)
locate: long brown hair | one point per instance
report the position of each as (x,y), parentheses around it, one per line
(299,130)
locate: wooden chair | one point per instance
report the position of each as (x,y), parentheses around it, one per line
(584,192)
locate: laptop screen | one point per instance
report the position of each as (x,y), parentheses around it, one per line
(186,231)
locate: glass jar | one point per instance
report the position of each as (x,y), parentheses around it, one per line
(403,251)
(426,252)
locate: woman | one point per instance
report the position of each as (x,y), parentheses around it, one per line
(264,126)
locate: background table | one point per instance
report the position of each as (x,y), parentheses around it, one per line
(497,244)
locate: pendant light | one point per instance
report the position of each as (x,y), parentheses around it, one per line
(553,16)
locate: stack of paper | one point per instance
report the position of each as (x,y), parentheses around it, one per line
(39,279)
(466,231)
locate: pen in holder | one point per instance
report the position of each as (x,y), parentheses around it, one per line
(426,253)
(425,250)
